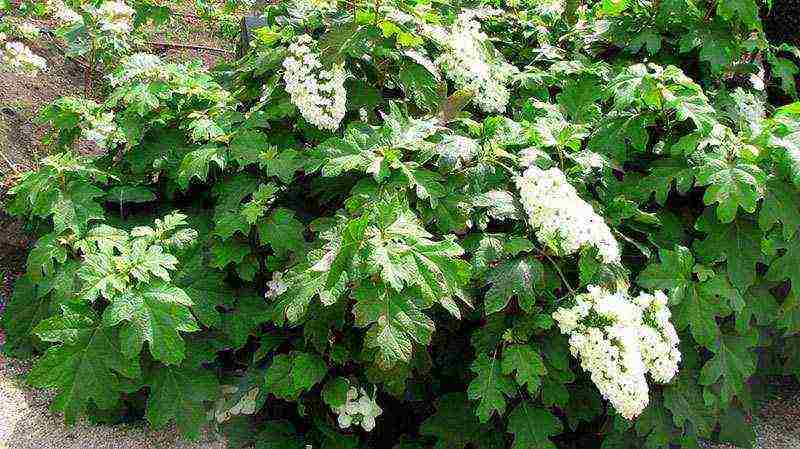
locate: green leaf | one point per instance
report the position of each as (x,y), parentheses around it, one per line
(422,86)
(781,205)
(282,164)
(395,322)
(335,392)
(88,366)
(197,164)
(761,305)
(532,427)
(786,266)
(732,365)
(43,257)
(204,286)
(228,251)
(243,321)
(130,194)
(179,394)
(205,129)
(74,208)
(684,398)
(514,278)
(278,435)
(283,232)
(156,314)
(701,306)
(656,424)
(731,184)
(736,428)
(613,137)
(787,71)
(490,387)
(454,425)
(528,365)
(737,243)
(745,10)
(664,173)
(246,147)
(789,314)
(426,183)
(674,273)
(257,206)
(228,216)
(29,304)
(291,374)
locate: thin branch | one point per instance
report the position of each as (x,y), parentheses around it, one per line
(10,164)
(193,47)
(558,269)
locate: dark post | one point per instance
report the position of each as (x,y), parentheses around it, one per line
(247,27)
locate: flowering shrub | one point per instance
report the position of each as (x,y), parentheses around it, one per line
(421,225)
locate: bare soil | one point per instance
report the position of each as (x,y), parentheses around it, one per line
(26,423)
(21,100)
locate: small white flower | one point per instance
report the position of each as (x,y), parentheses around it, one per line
(115,17)
(101,129)
(277,286)
(64,13)
(358,408)
(304,9)
(18,58)
(28,30)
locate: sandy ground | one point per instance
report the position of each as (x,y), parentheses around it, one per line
(26,423)
(777,426)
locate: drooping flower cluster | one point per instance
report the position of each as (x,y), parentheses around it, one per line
(141,66)
(277,286)
(101,129)
(303,9)
(64,13)
(359,408)
(246,405)
(115,17)
(27,30)
(609,333)
(658,337)
(317,92)
(471,62)
(561,218)
(16,57)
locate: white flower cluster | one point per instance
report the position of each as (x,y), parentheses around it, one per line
(457,150)
(561,217)
(16,57)
(28,30)
(319,94)
(141,66)
(277,286)
(245,406)
(658,337)
(359,408)
(612,337)
(101,129)
(64,13)
(471,63)
(303,9)
(115,17)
